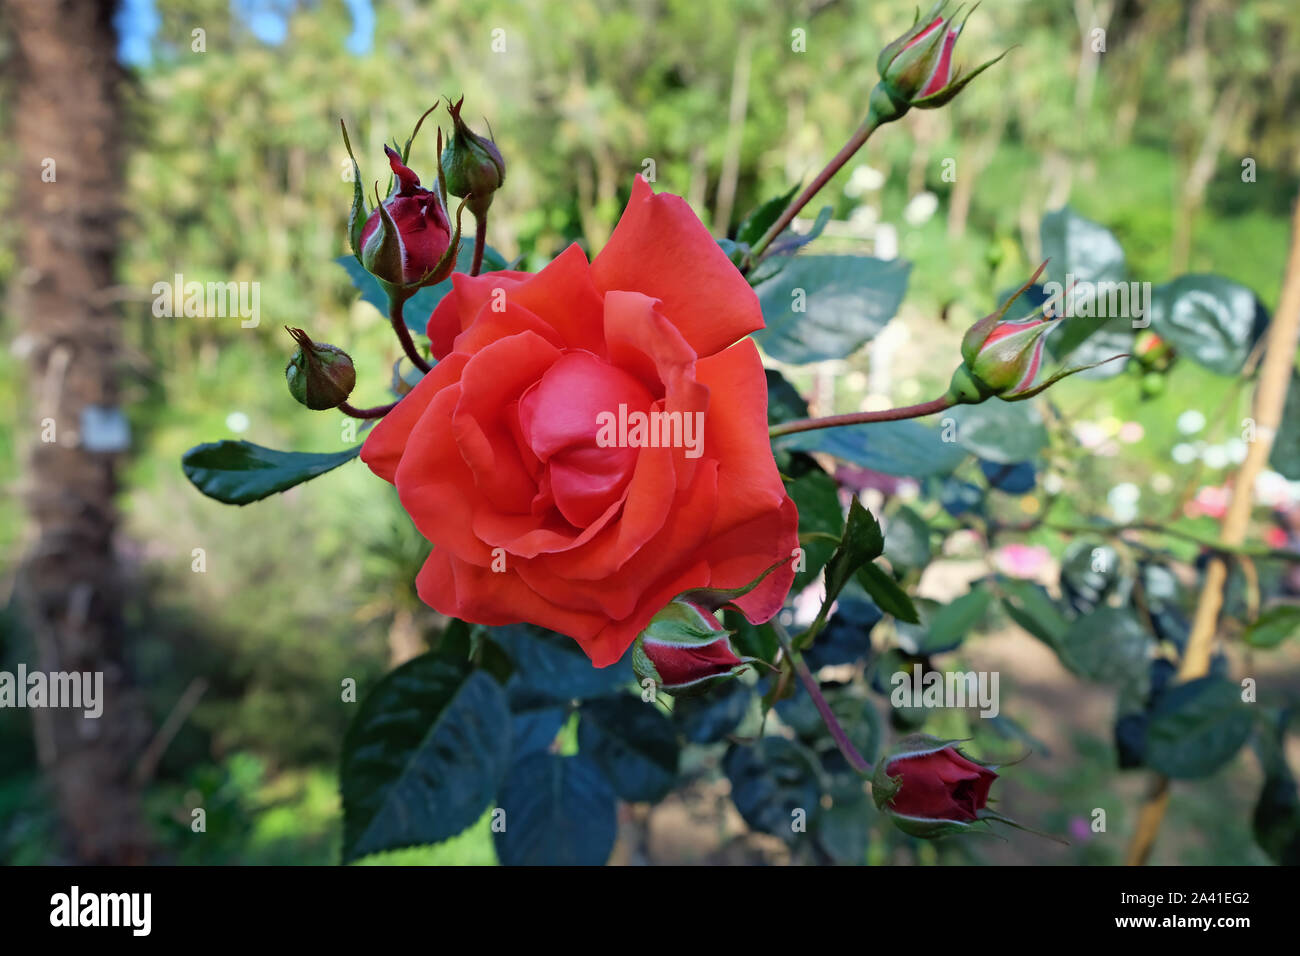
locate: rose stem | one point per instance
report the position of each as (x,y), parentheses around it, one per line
(852,146)
(379,411)
(395,306)
(858,418)
(480,242)
(855,759)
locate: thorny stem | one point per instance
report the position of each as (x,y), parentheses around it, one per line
(395,305)
(855,759)
(858,418)
(833,167)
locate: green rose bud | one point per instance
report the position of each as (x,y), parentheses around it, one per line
(319,376)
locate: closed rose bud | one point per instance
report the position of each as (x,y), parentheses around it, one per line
(685,650)
(406,240)
(319,376)
(1001,357)
(930,788)
(916,69)
(472,164)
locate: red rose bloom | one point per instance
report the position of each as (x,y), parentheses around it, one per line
(939,785)
(503,458)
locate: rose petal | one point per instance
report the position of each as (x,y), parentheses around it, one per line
(661,248)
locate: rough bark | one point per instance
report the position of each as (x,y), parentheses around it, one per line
(67,110)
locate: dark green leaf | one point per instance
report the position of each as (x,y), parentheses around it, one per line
(554,667)
(844,302)
(895,448)
(1081,248)
(559,811)
(1001,432)
(423,757)
(762,218)
(1196,727)
(1108,646)
(908,540)
(1285,456)
(821,520)
(239,472)
(1210,319)
(633,743)
(889,597)
(708,718)
(771,780)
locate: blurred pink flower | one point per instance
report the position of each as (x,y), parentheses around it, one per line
(1022,560)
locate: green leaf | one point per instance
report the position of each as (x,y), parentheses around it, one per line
(771,780)
(896,448)
(1000,432)
(423,757)
(817,497)
(1109,646)
(889,597)
(943,627)
(1196,727)
(708,718)
(843,301)
(1081,248)
(861,543)
(559,811)
(1030,606)
(1285,456)
(633,742)
(239,472)
(1274,626)
(1276,820)
(552,666)
(784,403)
(1212,320)
(761,219)
(908,540)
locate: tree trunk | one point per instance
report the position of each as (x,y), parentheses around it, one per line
(67,127)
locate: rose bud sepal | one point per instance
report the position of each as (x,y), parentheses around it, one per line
(685,651)
(472,165)
(320,376)
(917,67)
(358,214)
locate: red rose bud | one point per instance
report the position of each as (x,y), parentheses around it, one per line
(407,240)
(929,788)
(472,164)
(685,650)
(319,376)
(916,69)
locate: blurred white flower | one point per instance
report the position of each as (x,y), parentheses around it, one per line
(864,179)
(237,422)
(1190,422)
(920,208)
